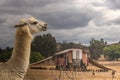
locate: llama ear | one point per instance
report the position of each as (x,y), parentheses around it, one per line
(21,23)
(17,25)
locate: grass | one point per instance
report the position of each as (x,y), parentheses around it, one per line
(34,74)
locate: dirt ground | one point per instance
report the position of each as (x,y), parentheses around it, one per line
(34,74)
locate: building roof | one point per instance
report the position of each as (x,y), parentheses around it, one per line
(58,53)
(67,50)
(62,52)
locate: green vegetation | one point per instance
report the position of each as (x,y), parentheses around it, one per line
(112,52)
(35,56)
(99,47)
(5,54)
(4,57)
(42,46)
(96,48)
(69,45)
(45,44)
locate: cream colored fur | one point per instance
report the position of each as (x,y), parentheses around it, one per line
(17,65)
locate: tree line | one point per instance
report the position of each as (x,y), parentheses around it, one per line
(100,47)
(45,45)
(5,54)
(42,46)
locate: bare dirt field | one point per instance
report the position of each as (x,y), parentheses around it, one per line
(34,74)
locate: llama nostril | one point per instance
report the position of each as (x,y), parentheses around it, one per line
(44,28)
(45,25)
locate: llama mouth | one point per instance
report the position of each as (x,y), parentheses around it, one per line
(44,28)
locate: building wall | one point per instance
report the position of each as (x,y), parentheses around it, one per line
(84,57)
(60,60)
(70,56)
(77,54)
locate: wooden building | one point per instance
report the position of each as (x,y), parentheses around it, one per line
(70,58)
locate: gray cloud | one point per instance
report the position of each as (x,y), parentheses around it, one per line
(116,21)
(113,4)
(69,18)
(26,6)
(79,19)
(63,16)
(6,36)
(2,20)
(31,3)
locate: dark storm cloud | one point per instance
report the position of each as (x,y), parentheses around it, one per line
(10,11)
(113,4)
(58,19)
(6,36)
(31,3)
(69,18)
(59,14)
(2,20)
(68,15)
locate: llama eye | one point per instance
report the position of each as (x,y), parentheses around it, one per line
(34,23)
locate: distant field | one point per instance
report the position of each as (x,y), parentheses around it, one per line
(73,75)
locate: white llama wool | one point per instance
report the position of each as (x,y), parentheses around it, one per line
(17,65)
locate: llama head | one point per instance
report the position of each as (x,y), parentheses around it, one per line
(33,24)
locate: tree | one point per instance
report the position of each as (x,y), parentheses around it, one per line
(66,45)
(96,48)
(37,44)
(0,50)
(35,56)
(5,56)
(45,44)
(69,45)
(49,45)
(112,52)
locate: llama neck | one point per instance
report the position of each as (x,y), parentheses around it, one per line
(21,52)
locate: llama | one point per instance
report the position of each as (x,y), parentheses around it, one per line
(17,65)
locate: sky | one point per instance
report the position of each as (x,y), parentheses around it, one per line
(68,20)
